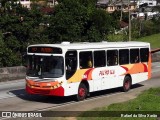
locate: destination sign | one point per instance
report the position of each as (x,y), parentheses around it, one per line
(37,49)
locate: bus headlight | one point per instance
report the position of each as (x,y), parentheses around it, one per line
(28,84)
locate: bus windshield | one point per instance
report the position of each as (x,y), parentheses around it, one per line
(45,66)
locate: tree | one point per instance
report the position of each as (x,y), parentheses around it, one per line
(72,20)
(1,49)
(101,23)
(68,22)
(148,28)
(19,27)
(75,20)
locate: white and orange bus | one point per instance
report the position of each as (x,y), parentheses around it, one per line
(80,68)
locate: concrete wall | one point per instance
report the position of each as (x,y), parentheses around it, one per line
(156,57)
(12,73)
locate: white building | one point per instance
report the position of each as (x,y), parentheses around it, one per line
(149,2)
(25,3)
(52,3)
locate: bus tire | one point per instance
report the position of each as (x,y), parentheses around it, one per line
(82,92)
(127,83)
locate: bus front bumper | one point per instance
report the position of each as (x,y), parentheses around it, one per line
(48,92)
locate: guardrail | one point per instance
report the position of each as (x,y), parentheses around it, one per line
(155,50)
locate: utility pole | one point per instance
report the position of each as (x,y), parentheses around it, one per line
(121,10)
(129,26)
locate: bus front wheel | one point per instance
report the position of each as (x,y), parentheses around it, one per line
(127,84)
(82,92)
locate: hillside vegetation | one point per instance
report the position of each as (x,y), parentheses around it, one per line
(153,39)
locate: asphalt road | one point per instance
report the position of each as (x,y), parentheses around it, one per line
(14,98)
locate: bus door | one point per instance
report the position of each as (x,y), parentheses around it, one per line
(70,63)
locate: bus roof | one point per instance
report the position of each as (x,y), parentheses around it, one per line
(95,45)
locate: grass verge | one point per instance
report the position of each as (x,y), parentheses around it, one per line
(153,39)
(147,103)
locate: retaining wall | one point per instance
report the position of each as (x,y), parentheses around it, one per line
(156,57)
(12,73)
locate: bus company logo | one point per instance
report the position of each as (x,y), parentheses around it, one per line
(106,72)
(84,77)
(6,114)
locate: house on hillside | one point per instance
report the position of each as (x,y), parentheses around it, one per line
(148,2)
(107,5)
(123,28)
(102,3)
(25,3)
(158,2)
(52,3)
(124,6)
(111,6)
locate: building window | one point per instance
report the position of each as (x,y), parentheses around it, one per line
(111,8)
(119,7)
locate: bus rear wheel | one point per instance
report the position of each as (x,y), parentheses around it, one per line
(82,92)
(127,84)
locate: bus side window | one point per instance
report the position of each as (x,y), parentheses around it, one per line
(144,54)
(134,55)
(123,56)
(99,58)
(85,59)
(89,62)
(112,57)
